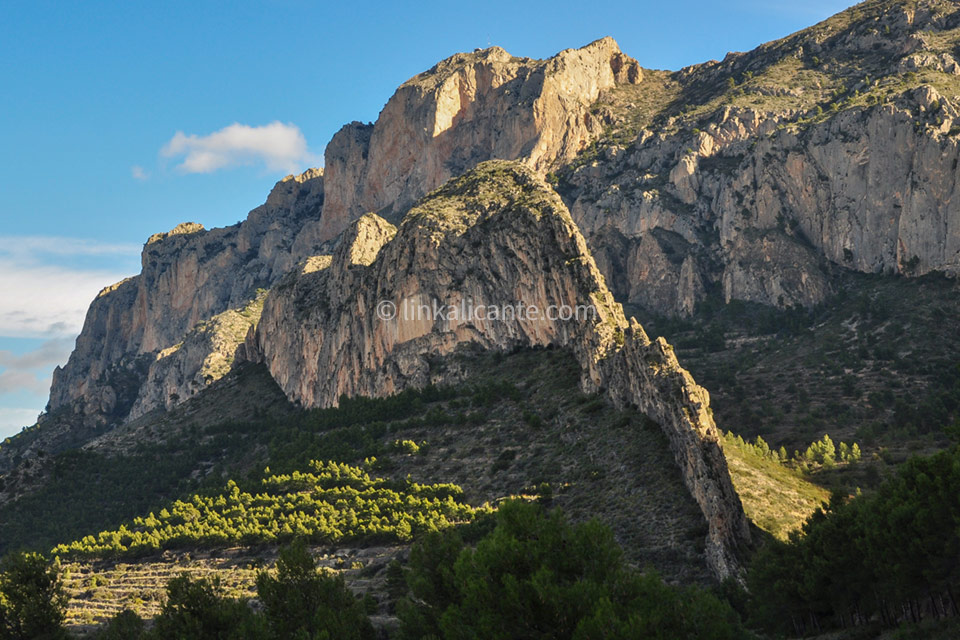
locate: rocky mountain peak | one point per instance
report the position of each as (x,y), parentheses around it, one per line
(436,126)
(182,229)
(306,186)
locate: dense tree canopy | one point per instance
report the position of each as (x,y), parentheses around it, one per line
(536,576)
(893,555)
(330,503)
(32,601)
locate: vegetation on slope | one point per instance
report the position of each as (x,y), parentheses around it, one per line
(876,363)
(535,576)
(524,573)
(512,425)
(776,497)
(888,557)
(331,503)
(851,60)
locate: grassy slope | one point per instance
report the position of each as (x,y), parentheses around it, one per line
(777,498)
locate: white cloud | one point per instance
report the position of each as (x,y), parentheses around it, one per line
(12,420)
(47,283)
(277,145)
(29,248)
(48,354)
(138,172)
(46,300)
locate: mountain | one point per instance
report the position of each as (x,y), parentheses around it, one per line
(765,174)
(768,189)
(759,177)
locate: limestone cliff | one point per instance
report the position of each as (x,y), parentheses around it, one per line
(206,353)
(188,276)
(493,258)
(755,177)
(761,175)
(469,108)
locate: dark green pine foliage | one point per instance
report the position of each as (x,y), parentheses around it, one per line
(300,602)
(32,600)
(199,610)
(536,576)
(890,557)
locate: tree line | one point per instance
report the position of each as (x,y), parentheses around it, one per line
(521,572)
(889,557)
(331,503)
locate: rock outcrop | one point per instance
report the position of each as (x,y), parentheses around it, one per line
(493,258)
(189,275)
(206,354)
(469,108)
(815,153)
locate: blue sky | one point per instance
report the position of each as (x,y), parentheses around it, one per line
(122,119)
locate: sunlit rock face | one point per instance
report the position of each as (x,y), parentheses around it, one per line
(469,108)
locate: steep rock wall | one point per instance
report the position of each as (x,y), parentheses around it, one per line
(188,276)
(468,108)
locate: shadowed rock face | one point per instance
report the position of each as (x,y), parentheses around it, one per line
(469,108)
(496,238)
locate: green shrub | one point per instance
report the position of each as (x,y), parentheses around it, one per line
(199,610)
(301,602)
(32,599)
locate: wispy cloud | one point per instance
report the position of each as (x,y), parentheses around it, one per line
(33,247)
(13,381)
(46,300)
(29,373)
(50,353)
(12,420)
(47,283)
(138,172)
(277,146)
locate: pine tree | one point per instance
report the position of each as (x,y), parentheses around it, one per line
(855,453)
(844,452)
(828,450)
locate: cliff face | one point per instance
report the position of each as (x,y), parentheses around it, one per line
(833,148)
(188,276)
(497,252)
(871,189)
(755,177)
(469,108)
